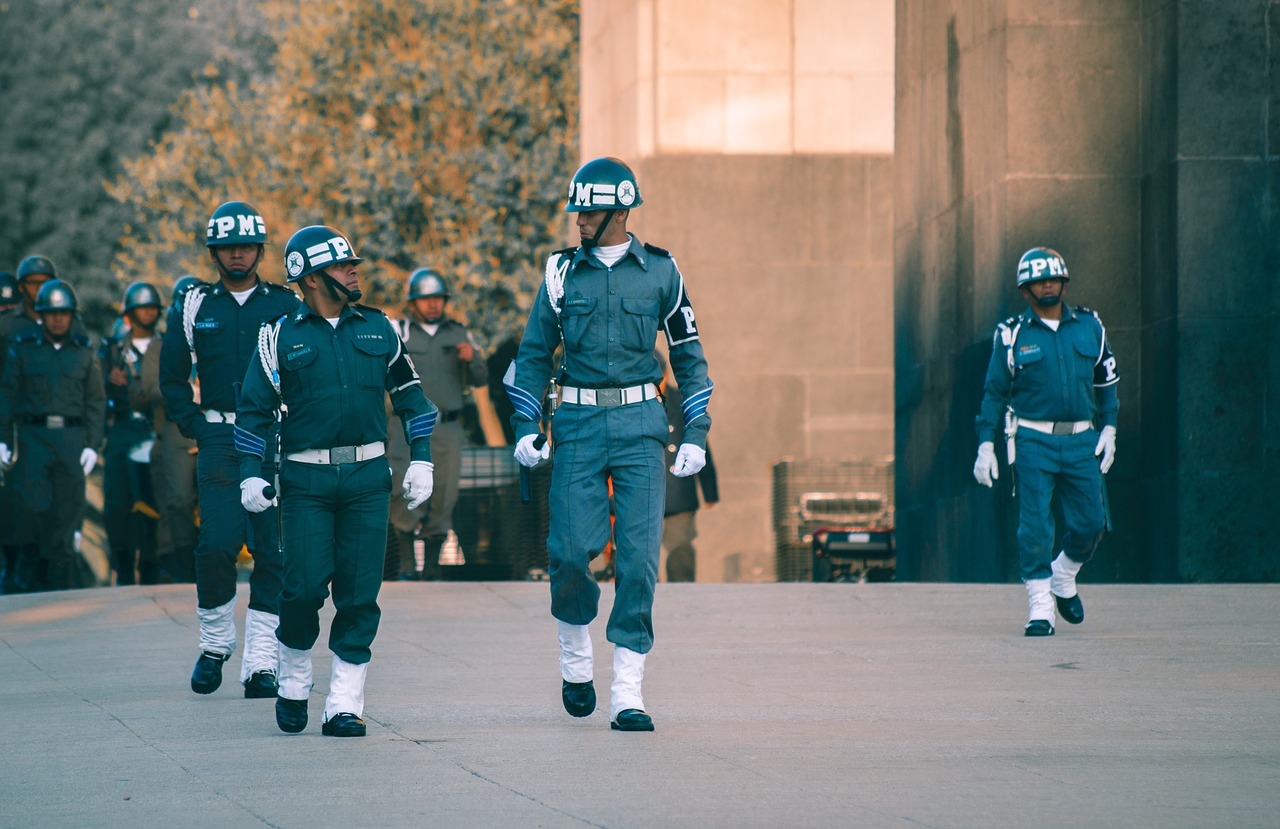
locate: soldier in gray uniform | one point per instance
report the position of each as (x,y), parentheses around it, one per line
(448,361)
(606,301)
(326,368)
(1052,381)
(173,460)
(52,390)
(126,481)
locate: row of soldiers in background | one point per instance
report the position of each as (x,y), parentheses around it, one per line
(150,494)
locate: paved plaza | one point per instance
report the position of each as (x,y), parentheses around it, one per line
(777,705)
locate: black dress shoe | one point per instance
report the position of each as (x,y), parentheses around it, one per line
(207,675)
(261,685)
(1038,627)
(632,719)
(291,714)
(579,697)
(1071,610)
(343,725)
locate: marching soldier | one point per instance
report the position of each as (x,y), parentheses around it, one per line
(1052,378)
(131,535)
(606,300)
(326,368)
(22,318)
(448,361)
(217,338)
(52,390)
(173,459)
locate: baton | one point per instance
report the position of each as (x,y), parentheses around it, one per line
(538,443)
(269,492)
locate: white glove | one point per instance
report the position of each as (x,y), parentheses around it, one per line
(1106,448)
(418,482)
(689,460)
(527,455)
(88,460)
(985,468)
(252,496)
(5,455)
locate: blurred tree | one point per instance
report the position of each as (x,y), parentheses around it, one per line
(430,132)
(85,83)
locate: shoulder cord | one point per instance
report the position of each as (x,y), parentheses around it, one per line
(268,337)
(190,308)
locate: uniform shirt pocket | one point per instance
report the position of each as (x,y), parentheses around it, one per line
(371,361)
(293,375)
(576,320)
(639,323)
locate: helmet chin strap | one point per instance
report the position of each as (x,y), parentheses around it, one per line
(1048,301)
(594,241)
(339,291)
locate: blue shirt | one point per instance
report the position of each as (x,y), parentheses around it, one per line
(610,317)
(1064,375)
(333,382)
(225,334)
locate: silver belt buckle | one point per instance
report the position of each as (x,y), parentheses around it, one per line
(342,454)
(608,397)
(1063,428)
(55,422)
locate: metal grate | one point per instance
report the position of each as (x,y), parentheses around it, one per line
(808,494)
(501,538)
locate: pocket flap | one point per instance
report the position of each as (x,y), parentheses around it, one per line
(643,307)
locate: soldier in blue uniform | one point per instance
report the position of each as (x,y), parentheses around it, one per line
(607,300)
(217,337)
(52,391)
(326,368)
(1051,382)
(131,535)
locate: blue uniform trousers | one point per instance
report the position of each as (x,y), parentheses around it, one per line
(335,531)
(225,526)
(593,443)
(1064,464)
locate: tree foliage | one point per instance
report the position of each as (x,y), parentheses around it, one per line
(430,132)
(85,83)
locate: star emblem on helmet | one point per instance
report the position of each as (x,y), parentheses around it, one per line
(294,263)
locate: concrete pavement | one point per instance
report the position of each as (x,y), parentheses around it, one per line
(777,705)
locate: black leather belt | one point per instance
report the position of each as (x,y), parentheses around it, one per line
(52,421)
(448,417)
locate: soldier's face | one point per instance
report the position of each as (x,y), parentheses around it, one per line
(237,260)
(57,323)
(144,317)
(1045,291)
(589,222)
(429,308)
(345,274)
(31,285)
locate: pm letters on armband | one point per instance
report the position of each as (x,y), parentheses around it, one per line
(680,323)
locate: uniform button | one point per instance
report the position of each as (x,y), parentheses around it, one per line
(612,292)
(671,447)
(611,339)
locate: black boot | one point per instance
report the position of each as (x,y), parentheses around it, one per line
(579,698)
(291,714)
(431,557)
(207,675)
(632,719)
(343,725)
(261,685)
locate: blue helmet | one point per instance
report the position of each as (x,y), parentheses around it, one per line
(141,295)
(314,248)
(35,265)
(8,288)
(1041,263)
(236,223)
(56,295)
(425,282)
(603,184)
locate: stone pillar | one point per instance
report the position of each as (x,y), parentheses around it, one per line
(1139,140)
(762,133)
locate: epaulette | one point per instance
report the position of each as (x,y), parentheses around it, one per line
(29,337)
(654,249)
(566,252)
(1084,309)
(369,308)
(80,339)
